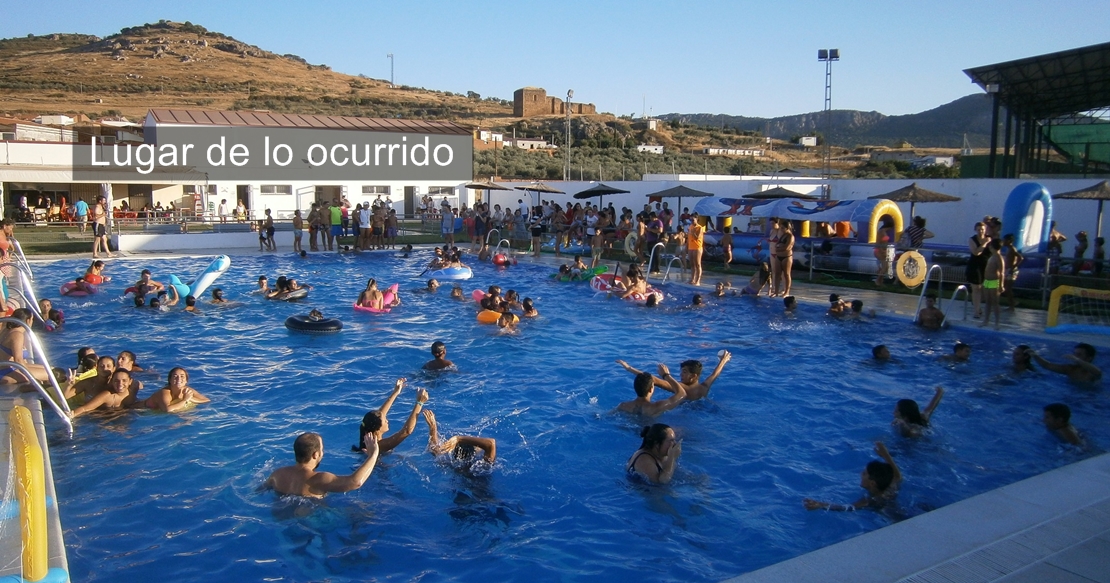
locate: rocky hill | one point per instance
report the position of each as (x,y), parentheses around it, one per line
(941,127)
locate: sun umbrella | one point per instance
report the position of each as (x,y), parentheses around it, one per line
(914,194)
(600,190)
(539,187)
(679,192)
(487,186)
(779,192)
(1099,192)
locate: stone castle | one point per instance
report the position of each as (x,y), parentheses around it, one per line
(532,101)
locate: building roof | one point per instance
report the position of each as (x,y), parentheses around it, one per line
(1051,85)
(285,120)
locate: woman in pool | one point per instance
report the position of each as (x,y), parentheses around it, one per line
(218,296)
(15,348)
(177,395)
(371,297)
(530,310)
(909,420)
(95,273)
(126,361)
(463,448)
(658,455)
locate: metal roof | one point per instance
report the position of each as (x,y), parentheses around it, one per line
(286,120)
(1051,85)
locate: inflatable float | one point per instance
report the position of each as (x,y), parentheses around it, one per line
(205,278)
(584,276)
(388,296)
(582,249)
(605,283)
(502,260)
(451,273)
(291,296)
(306,324)
(488,317)
(95,279)
(70,289)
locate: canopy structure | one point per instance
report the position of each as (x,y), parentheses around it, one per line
(1043,95)
(779,192)
(600,190)
(539,187)
(485,186)
(914,194)
(1099,192)
(678,192)
(824,211)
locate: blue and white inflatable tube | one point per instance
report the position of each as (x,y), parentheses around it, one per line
(452,273)
(1028,215)
(205,278)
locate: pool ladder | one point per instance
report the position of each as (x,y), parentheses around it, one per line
(940,286)
(498,247)
(670,262)
(56,401)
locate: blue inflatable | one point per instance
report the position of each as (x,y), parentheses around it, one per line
(205,278)
(1028,215)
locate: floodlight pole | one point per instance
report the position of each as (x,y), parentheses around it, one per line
(828,56)
(566,168)
(390,57)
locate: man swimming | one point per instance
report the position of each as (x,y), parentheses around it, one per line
(439,357)
(1081,369)
(644,386)
(930,317)
(302,479)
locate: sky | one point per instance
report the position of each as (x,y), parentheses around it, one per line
(756,59)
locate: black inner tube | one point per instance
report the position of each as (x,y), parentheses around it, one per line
(306,324)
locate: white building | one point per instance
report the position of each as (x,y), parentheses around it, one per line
(924,161)
(649,149)
(530,143)
(732,152)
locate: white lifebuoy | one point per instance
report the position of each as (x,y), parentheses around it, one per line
(911,269)
(630,244)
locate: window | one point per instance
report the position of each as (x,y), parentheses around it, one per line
(372,190)
(279,189)
(441,191)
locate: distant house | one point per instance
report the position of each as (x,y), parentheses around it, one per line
(646,124)
(732,152)
(530,144)
(18,130)
(488,136)
(894,156)
(55,120)
(808,141)
(649,149)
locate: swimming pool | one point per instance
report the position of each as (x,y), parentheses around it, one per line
(794,415)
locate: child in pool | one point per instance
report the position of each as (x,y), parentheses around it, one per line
(911,421)
(1057,418)
(880,479)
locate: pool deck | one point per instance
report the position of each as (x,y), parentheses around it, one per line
(1051,527)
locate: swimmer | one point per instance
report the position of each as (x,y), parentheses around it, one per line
(513,299)
(113,399)
(439,357)
(1057,418)
(126,361)
(303,254)
(697,302)
(376,422)
(507,320)
(530,310)
(371,297)
(263,285)
(911,421)
(176,396)
(457,293)
(658,455)
(406,250)
(960,353)
(302,479)
(644,386)
(689,373)
(837,306)
(91,386)
(191,304)
(857,310)
(790,304)
(461,447)
(880,353)
(218,296)
(315,315)
(1081,368)
(930,317)
(1022,358)
(145,285)
(722,289)
(651,301)
(433,285)
(880,479)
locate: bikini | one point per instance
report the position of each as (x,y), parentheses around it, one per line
(631,469)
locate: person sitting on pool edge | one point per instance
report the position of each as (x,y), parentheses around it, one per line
(657,457)
(302,479)
(880,479)
(689,373)
(1057,418)
(463,448)
(439,357)
(960,353)
(377,421)
(930,317)
(1081,368)
(910,420)
(644,385)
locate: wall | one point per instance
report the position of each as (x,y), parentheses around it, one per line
(195,241)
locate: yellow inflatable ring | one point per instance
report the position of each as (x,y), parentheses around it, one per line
(488,316)
(911,269)
(630,244)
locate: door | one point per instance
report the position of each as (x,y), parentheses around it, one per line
(410,200)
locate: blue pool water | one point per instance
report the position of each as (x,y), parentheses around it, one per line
(795,414)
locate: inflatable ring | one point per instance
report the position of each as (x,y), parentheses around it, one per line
(291,296)
(488,316)
(630,244)
(911,268)
(94,278)
(305,324)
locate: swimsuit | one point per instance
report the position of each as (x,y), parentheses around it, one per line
(631,469)
(990,284)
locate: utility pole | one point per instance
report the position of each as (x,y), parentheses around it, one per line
(390,57)
(566,168)
(828,56)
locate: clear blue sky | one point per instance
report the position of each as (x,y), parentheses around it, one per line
(734,57)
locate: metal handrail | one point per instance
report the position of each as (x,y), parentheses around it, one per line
(38,352)
(925,288)
(651,257)
(22,258)
(64,416)
(497,247)
(492,231)
(967,297)
(670,264)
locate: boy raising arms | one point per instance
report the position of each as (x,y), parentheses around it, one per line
(689,376)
